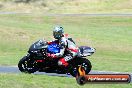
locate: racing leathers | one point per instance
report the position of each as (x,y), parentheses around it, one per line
(68,50)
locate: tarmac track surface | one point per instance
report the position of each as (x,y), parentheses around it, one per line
(15,70)
(89,14)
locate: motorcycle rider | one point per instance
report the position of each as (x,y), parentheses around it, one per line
(68,48)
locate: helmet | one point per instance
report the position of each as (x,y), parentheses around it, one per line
(58,32)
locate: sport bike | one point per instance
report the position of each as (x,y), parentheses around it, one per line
(37,59)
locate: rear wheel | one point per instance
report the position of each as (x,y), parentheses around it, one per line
(84,63)
(26,65)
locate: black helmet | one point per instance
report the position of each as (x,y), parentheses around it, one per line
(58,32)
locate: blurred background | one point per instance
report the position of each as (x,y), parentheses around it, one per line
(22,22)
(67,6)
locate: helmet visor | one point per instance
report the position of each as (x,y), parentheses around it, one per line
(57,35)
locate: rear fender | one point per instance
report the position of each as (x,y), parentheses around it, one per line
(86,51)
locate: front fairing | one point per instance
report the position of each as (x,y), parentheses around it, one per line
(38,45)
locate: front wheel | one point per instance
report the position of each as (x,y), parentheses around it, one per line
(26,65)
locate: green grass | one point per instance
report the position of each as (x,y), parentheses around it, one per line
(68,6)
(111,36)
(42,81)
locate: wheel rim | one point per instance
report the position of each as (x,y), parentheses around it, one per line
(26,67)
(85,66)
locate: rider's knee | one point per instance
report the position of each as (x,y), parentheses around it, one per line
(62,62)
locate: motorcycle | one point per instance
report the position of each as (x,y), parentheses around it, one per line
(37,59)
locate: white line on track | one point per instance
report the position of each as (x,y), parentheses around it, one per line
(90,14)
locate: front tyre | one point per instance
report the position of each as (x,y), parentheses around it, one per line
(26,66)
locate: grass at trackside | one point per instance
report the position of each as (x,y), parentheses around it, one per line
(111,36)
(42,81)
(68,6)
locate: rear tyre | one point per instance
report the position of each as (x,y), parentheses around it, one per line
(85,63)
(81,80)
(26,66)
